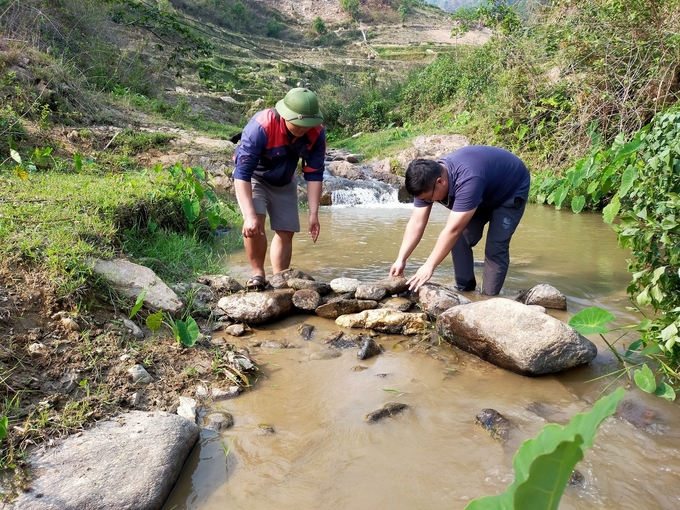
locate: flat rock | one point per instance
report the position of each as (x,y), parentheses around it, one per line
(132,279)
(335,309)
(385,321)
(515,337)
(129,463)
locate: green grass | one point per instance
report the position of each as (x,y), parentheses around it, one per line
(56,221)
(381,144)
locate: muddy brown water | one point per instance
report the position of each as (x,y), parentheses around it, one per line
(323,454)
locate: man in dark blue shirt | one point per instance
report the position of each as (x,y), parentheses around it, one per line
(480,185)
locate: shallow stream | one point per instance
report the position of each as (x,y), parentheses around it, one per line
(323,454)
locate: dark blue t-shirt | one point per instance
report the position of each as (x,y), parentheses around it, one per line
(482,176)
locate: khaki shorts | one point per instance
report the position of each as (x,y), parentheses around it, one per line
(281,202)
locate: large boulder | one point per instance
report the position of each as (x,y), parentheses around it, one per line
(515,337)
(544,295)
(257,307)
(346,170)
(435,299)
(132,280)
(385,321)
(127,463)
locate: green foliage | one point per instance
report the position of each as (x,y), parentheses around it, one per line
(274,28)
(648,204)
(185,45)
(351,7)
(593,320)
(543,465)
(199,202)
(319,26)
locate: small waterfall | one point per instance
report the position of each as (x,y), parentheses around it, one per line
(364,192)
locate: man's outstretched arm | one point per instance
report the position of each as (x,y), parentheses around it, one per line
(412,236)
(447,238)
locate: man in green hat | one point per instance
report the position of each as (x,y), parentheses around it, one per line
(272,143)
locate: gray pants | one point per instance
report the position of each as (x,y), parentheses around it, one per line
(502,224)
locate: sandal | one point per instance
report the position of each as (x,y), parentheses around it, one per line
(256,282)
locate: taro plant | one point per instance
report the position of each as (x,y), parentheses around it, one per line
(544,464)
(186,331)
(199,202)
(593,320)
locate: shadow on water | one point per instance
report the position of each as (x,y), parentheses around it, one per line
(323,454)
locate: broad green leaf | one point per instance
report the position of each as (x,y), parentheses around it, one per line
(650,349)
(192,209)
(560,195)
(643,298)
(138,304)
(547,442)
(199,172)
(627,180)
(591,320)
(198,189)
(154,321)
(658,272)
(644,378)
(548,476)
(187,331)
(78,161)
(668,332)
(15,155)
(577,203)
(611,210)
(665,391)
(4,427)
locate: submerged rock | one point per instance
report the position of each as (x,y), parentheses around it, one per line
(496,425)
(368,349)
(389,409)
(515,337)
(544,295)
(326,354)
(305,331)
(218,420)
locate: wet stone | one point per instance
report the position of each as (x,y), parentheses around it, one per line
(224,394)
(264,429)
(368,349)
(301,283)
(374,292)
(576,478)
(235,330)
(325,355)
(396,303)
(359,368)
(332,337)
(344,343)
(389,409)
(496,425)
(305,331)
(218,420)
(306,299)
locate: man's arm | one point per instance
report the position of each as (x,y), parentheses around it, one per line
(412,236)
(447,238)
(251,225)
(313,199)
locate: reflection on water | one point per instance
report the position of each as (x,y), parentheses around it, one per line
(324,455)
